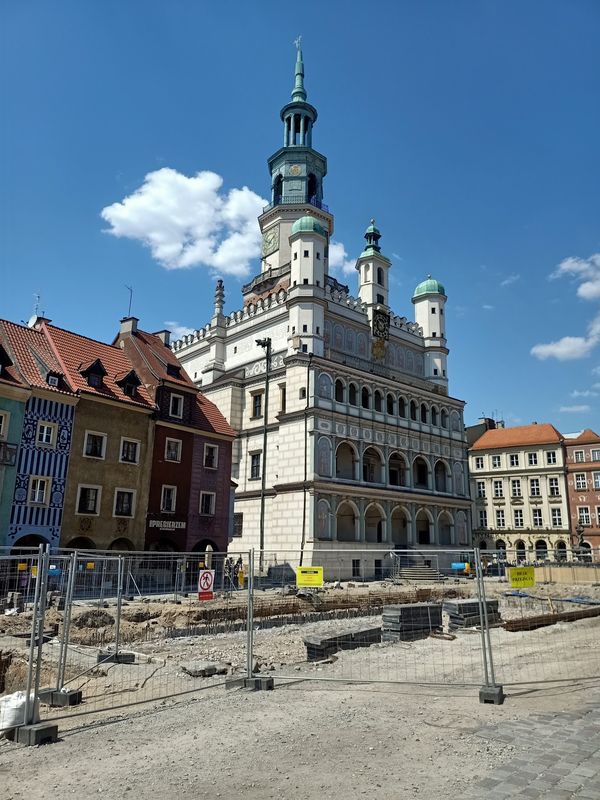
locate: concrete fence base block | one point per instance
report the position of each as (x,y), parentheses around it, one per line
(492,694)
(56,699)
(235,683)
(33,735)
(115,658)
(259,683)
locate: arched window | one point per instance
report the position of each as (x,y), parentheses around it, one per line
(378,400)
(372,466)
(401,407)
(277,190)
(339,391)
(423,412)
(413,410)
(560,551)
(434,415)
(541,550)
(390,404)
(365,398)
(352,395)
(420,473)
(312,188)
(520,548)
(380,279)
(444,417)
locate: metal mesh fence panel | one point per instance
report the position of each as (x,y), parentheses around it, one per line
(109,643)
(380,616)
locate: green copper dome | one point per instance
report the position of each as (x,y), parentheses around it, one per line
(429,286)
(308,225)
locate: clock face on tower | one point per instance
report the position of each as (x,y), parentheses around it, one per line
(295,169)
(270,241)
(381,325)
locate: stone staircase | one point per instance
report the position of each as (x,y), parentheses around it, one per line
(417,574)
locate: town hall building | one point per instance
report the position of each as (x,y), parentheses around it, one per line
(348,437)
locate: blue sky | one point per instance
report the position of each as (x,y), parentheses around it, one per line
(468,129)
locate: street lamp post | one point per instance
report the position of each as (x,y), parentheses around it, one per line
(266,345)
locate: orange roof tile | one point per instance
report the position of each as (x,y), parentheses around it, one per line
(158,357)
(588,436)
(208,417)
(33,356)
(523,435)
(76,352)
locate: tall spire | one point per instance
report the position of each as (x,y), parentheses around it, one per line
(299,92)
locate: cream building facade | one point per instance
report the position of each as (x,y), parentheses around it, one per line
(348,438)
(519,489)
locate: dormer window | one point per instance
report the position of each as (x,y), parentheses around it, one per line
(128,382)
(95,380)
(5,360)
(173,370)
(52,379)
(176,406)
(93,373)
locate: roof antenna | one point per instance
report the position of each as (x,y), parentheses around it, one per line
(36,306)
(130,298)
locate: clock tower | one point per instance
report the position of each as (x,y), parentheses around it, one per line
(297,171)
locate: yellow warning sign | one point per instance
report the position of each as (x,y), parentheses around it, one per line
(90,565)
(309,576)
(521,577)
(21,566)
(34,572)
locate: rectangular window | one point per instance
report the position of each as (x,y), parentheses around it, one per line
(496,462)
(480,488)
(124,503)
(595,455)
(356,567)
(551,457)
(257,400)
(282,398)
(483,518)
(255,466)
(176,407)
(532,459)
(207,503)
(168,499)
(88,500)
(211,456)
(514,459)
(556,518)
(534,487)
(580,481)
(130,451)
(4,419)
(38,491)
(598,516)
(238,524)
(584,515)
(553,487)
(95,445)
(515,487)
(478,462)
(500,522)
(498,490)
(46,434)
(579,456)
(173,450)
(306,254)
(537,518)
(596,478)
(518,517)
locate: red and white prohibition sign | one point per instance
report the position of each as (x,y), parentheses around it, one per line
(206,582)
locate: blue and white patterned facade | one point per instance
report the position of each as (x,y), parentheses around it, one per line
(41,520)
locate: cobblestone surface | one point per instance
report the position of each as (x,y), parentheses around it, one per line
(559,758)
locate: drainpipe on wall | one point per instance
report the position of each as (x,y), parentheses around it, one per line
(306,407)
(266,345)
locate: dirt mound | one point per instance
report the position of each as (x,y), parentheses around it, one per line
(141,615)
(94,618)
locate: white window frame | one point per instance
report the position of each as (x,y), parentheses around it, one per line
(133,501)
(483,521)
(580,481)
(260,464)
(139,447)
(515,487)
(514,459)
(47,487)
(583,515)
(162,499)
(4,425)
(537,519)
(496,462)
(596,480)
(214,447)
(556,517)
(500,519)
(179,450)
(518,518)
(535,489)
(104,442)
(478,462)
(595,455)
(532,459)
(480,486)
(551,457)
(53,428)
(213,504)
(95,513)
(498,488)
(579,456)
(179,397)
(554,487)
(253,395)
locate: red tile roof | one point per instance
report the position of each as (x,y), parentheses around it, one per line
(523,435)
(588,436)
(33,356)
(157,357)
(76,352)
(208,417)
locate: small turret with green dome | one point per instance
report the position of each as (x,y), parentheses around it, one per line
(429,286)
(308,224)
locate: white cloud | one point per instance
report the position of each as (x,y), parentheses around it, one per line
(338,259)
(396,256)
(570,348)
(574,409)
(190,221)
(584,270)
(178,330)
(487,308)
(596,371)
(583,393)
(510,279)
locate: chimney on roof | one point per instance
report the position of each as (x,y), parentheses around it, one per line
(129,325)
(165,337)
(36,320)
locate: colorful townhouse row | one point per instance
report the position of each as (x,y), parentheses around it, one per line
(108,446)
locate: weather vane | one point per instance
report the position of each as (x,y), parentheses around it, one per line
(298,42)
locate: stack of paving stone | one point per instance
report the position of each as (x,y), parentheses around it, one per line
(465,613)
(410,621)
(319,648)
